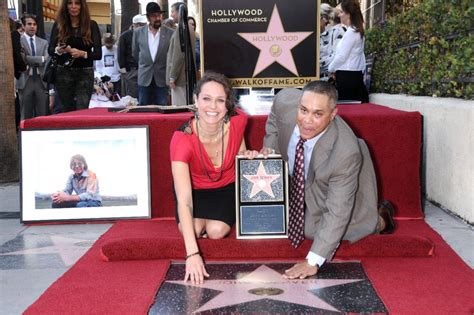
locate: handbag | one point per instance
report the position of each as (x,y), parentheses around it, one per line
(49,75)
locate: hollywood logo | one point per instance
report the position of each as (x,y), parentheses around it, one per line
(275,44)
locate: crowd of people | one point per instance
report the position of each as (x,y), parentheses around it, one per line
(332,197)
(145,62)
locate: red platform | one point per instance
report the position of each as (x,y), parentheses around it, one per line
(394,139)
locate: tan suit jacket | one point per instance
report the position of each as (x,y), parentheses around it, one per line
(176,59)
(340,189)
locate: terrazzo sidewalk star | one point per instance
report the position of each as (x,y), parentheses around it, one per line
(250,288)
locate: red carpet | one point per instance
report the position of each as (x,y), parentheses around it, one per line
(439,284)
(393,137)
(161,240)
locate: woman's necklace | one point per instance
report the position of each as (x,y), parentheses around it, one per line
(212,137)
(217,151)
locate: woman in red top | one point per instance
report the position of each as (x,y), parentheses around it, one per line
(202,158)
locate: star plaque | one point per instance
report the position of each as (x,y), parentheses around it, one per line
(272,43)
(262,197)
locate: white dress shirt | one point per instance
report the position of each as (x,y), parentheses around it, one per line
(153,42)
(108,65)
(349,53)
(312,258)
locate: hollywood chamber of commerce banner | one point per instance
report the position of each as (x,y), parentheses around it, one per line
(256,43)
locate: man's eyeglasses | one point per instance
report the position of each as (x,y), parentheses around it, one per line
(78,164)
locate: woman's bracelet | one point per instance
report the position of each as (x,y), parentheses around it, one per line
(193,254)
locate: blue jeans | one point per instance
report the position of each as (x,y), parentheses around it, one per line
(88,203)
(77,204)
(152,94)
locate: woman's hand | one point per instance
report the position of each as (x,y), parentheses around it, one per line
(76,53)
(61,48)
(195,270)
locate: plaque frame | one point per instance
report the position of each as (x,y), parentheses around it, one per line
(261,199)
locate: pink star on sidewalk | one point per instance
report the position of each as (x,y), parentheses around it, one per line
(275,44)
(262,181)
(292,291)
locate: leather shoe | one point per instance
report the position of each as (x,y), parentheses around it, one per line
(386,212)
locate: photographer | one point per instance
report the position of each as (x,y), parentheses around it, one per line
(108,65)
(103,94)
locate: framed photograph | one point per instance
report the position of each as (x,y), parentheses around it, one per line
(85,174)
(261,197)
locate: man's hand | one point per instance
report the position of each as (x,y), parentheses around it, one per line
(301,271)
(266,152)
(249,154)
(59,197)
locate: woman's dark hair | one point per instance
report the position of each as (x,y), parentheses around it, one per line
(80,158)
(352,7)
(190,18)
(18,25)
(210,76)
(63,21)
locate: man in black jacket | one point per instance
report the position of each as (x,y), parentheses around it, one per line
(19,64)
(125,57)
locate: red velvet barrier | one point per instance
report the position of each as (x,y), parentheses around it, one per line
(160,239)
(393,136)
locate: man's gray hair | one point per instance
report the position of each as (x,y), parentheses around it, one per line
(80,158)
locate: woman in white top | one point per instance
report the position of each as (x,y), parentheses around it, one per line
(349,61)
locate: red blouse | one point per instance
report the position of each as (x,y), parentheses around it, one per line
(185,148)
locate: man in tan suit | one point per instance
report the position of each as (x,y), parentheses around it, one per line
(176,67)
(340,192)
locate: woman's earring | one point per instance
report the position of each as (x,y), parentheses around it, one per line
(196,115)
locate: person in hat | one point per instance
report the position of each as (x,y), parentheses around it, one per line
(150,46)
(125,57)
(108,65)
